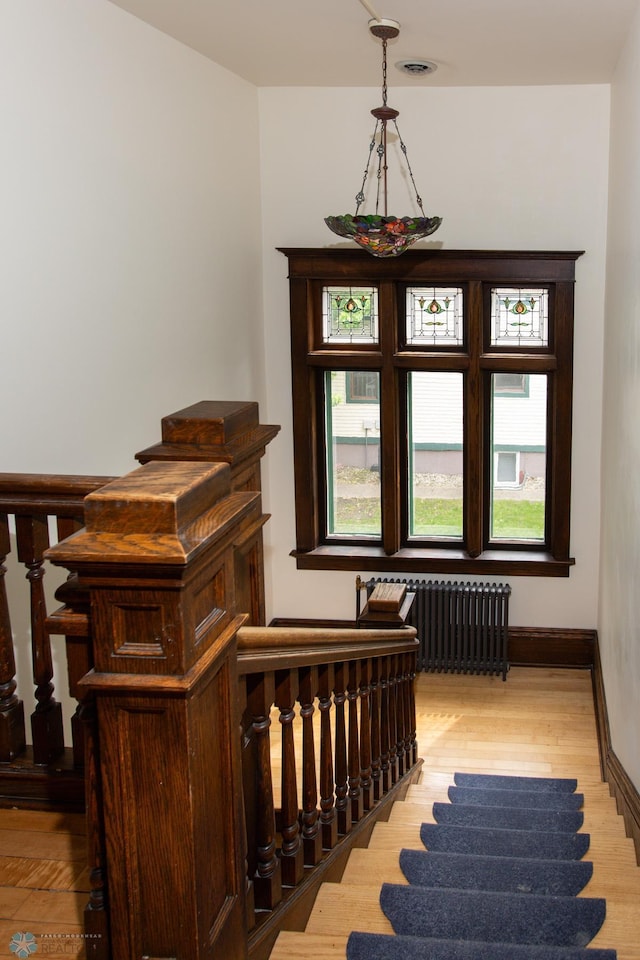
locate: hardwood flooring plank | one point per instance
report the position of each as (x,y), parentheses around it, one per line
(44,874)
(36,820)
(46,906)
(39,846)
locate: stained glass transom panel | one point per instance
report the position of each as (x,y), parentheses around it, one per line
(350,315)
(519,317)
(434,316)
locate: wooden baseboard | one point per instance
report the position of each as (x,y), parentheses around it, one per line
(528,646)
(547,647)
(33,786)
(626,795)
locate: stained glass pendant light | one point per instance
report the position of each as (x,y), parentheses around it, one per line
(379,233)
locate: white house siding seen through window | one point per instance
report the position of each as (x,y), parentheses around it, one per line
(518,448)
(435,444)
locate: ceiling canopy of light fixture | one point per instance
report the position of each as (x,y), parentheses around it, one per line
(379,233)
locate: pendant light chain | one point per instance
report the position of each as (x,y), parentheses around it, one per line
(384,71)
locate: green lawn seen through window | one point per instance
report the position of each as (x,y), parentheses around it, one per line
(442,517)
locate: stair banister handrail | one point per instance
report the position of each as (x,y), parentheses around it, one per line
(273,648)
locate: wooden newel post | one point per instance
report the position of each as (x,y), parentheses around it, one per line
(225,431)
(156,557)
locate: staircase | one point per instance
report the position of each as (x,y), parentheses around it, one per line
(553,734)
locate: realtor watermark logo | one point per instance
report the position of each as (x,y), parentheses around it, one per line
(23,945)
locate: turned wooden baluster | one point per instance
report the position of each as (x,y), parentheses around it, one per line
(72,621)
(12,732)
(406,702)
(408,731)
(401,725)
(366,780)
(343,807)
(376,739)
(291,854)
(311,834)
(385,725)
(32,534)
(355,790)
(328,819)
(410,700)
(267,882)
(393,720)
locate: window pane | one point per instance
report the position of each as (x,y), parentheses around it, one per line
(361,386)
(350,315)
(435,454)
(513,384)
(519,317)
(519,448)
(434,316)
(353,456)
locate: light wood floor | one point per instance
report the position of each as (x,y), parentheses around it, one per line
(44,881)
(539,723)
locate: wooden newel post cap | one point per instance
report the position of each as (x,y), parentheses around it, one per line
(159,513)
(226,431)
(156,556)
(388,606)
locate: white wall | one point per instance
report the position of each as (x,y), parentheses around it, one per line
(130,246)
(507,168)
(619,625)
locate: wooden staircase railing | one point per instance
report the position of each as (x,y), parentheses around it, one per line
(35,767)
(310,801)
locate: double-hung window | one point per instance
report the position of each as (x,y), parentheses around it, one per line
(432,410)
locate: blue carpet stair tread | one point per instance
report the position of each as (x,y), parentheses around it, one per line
(428,868)
(491,916)
(374,946)
(535,799)
(509,818)
(504,843)
(500,782)
(499,879)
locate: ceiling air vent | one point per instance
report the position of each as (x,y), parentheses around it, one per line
(416,68)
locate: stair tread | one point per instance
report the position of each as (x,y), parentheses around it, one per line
(336,906)
(389,835)
(365,863)
(412,811)
(292,945)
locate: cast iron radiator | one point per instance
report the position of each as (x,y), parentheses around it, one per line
(462,627)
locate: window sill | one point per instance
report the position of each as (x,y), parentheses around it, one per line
(518,563)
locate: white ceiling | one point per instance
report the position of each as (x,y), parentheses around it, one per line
(327,42)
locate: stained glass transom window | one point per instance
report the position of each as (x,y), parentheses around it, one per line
(519,317)
(434,316)
(350,315)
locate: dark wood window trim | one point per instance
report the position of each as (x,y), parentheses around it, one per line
(476,272)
